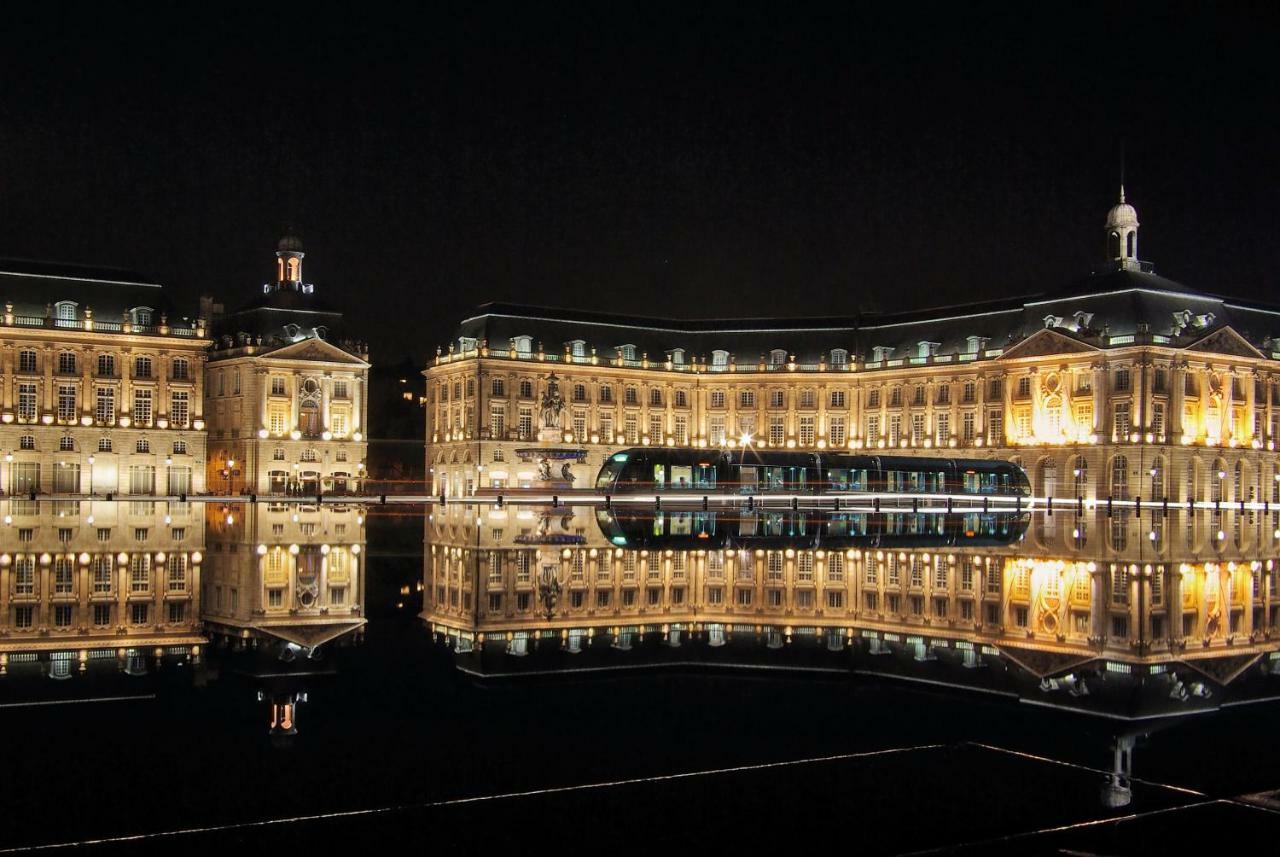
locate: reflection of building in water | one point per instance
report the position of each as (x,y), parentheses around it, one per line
(287,396)
(287,574)
(83,580)
(1059,603)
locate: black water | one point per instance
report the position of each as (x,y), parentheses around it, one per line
(392,737)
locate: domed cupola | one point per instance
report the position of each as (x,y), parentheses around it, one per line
(1122,235)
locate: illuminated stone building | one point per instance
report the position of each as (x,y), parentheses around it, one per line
(87,580)
(1123,384)
(289,576)
(101,384)
(287,395)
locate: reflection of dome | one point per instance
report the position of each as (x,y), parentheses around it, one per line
(289,244)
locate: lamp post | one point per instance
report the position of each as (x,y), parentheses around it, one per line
(8,457)
(91,461)
(226,472)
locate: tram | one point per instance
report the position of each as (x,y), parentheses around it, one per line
(656,470)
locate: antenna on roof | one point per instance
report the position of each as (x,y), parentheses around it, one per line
(1121,169)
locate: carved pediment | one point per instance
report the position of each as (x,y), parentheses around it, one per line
(1225,340)
(1045,342)
(317,350)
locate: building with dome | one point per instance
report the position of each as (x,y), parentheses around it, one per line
(286,394)
(1120,384)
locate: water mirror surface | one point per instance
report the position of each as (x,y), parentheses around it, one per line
(462,674)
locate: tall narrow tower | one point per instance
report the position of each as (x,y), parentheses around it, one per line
(1122,235)
(289,263)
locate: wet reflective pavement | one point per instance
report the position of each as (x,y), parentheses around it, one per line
(677,721)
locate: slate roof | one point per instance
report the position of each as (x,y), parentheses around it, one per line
(33,285)
(1116,303)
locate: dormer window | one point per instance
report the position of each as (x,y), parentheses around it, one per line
(322,332)
(522,345)
(466,343)
(839,358)
(974,344)
(627,352)
(719,360)
(880,353)
(926,349)
(1204,320)
(1083,319)
(64,313)
(142,316)
(577,347)
(1051,321)
(677,356)
(292,331)
(777,357)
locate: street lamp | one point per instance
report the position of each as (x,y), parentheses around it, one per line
(91,461)
(226,472)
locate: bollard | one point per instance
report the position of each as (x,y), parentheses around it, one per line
(1108,505)
(253,499)
(705,502)
(1137,506)
(555,501)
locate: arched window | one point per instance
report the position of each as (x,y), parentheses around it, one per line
(1132,248)
(1080,476)
(1157,479)
(777,357)
(1052,411)
(719,359)
(1216,480)
(839,358)
(1048,478)
(523,345)
(142,316)
(294,266)
(64,313)
(1120,477)
(627,352)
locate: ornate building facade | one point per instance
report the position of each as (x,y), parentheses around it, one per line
(287,395)
(1123,384)
(100,385)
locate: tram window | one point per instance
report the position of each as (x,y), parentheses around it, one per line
(659,476)
(838,479)
(681,524)
(774,524)
(681,476)
(705,476)
(970,482)
(748,478)
(747,525)
(657,522)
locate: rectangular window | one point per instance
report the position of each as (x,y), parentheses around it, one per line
(138,614)
(27,402)
(777,431)
(715,431)
(807,435)
(1122,425)
(66,402)
(873,429)
(837,398)
(942,429)
(895,430)
(995,428)
(918,429)
(142,407)
(180,409)
(836,431)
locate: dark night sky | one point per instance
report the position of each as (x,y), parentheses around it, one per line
(681,159)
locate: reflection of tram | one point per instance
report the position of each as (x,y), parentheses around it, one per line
(803,528)
(751,472)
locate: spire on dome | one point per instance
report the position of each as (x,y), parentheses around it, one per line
(1122,233)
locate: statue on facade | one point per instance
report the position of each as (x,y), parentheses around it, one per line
(552,403)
